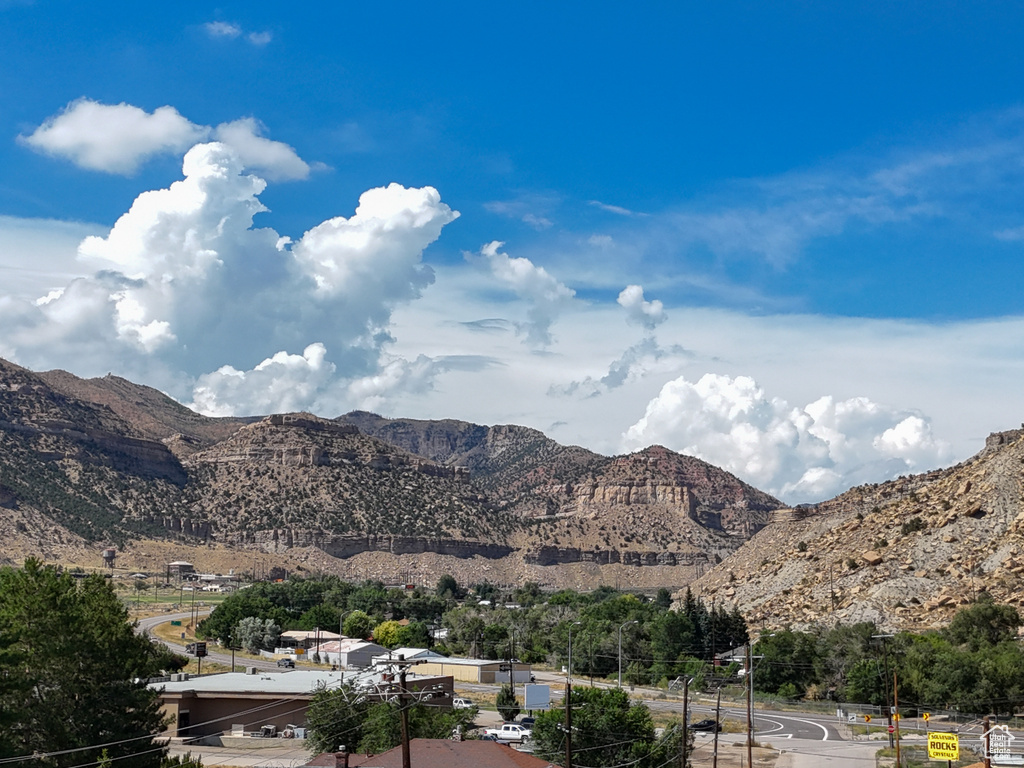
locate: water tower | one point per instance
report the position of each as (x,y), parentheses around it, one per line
(108,558)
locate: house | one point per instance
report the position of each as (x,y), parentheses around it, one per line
(349,652)
(474,670)
(306,639)
(236,703)
(436,753)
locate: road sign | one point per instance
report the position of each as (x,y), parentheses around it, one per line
(867,718)
(200,651)
(175,623)
(926,716)
(896,717)
(892,729)
(943,746)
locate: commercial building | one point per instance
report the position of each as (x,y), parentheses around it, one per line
(474,670)
(243,704)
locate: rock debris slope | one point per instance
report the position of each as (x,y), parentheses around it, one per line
(906,553)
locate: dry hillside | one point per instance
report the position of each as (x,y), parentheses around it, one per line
(905,553)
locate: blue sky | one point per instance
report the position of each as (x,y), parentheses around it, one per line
(818,208)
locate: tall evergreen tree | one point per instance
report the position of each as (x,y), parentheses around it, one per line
(71,665)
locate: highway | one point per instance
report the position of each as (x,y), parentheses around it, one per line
(803,740)
(146,625)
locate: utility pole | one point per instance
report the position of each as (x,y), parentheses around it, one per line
(406,756)
(987,726)
(568,724)
(403,702)
(896,706)
(568,703)
(750,706)
(686,714)
(888,697)
(718,716)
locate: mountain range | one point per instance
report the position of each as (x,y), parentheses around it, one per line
(89,463)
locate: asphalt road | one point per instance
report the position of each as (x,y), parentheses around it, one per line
(803,740)
(146,625)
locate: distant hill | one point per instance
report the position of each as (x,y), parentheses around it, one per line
(108,460)
(905,553)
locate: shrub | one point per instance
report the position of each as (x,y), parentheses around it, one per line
(913,525)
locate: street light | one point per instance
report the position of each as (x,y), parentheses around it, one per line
(574,624)
(625,624)
(750,696)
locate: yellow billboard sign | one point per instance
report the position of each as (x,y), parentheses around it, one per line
(943,746)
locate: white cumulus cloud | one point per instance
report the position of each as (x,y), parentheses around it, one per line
(649,314)
(185,279)
(118,138)
(275,160)
(115,138)
(796,453)
(546,296)
(282,382)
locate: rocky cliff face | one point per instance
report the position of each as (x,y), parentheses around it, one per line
(113,459)
(905,553)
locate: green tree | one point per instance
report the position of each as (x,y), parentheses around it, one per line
(342,715)
(983,624)
(448,587)
(607,727)
(70,660)
(358,624)
(507,703)
(257,635)
(387,633)
(335,718)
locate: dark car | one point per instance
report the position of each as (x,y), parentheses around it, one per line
(527,721)
(706,725)
(289,663)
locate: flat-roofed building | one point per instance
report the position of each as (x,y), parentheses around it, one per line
(474,670)
(243,703)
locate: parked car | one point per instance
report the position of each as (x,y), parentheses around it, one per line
(706,725)
(528,721)
(461,703)
(289,663)
(510,732)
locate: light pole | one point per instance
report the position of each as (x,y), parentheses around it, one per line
(750,697)
(569,678)
(625,624)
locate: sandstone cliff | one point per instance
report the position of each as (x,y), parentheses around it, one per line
(905,553)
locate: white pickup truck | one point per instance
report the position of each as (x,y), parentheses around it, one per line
(510,732)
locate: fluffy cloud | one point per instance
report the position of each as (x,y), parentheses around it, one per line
(115,138)
(366,264)
(545,295)
(118,138)
(649,314)
(273,159)
(185,279)
(280,383)
(798,454)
